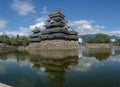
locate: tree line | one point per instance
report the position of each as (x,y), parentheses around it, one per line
(14,41)
(117,42)
(99,38)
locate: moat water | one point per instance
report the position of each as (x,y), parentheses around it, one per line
(90,68)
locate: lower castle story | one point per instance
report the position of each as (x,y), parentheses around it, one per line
(54,34)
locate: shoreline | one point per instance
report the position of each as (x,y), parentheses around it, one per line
(94,45)
(4,85)
(116,46)
(7,49)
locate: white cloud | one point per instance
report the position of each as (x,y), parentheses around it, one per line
(116,33)
(14,33)
(22,32)
(86,27)
(40,25)
(23,7)
(115,58)
(89,27)
(25,31)
(44,10)
(3,24)
(82,26)
(42,19)
(86,63)
(40,22)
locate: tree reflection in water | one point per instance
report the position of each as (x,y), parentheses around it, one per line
(99,54)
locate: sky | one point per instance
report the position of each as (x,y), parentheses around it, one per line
(85,16)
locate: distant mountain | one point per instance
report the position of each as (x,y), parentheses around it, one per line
(86,37)
(114,37)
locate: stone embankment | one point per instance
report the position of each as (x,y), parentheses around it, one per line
(7,48)
(21,48)
(54,45)
(98,45)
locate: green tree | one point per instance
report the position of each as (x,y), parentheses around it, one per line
(4,39)
(19,41)
(117,42)
(23,41)
(100,38)
(15,41)
(90,40)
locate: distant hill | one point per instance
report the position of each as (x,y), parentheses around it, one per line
(85,37)
(114,37)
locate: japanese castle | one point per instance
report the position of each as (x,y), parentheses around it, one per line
(55,29)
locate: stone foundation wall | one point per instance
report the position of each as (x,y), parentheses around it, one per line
(21,48)
(98,45)
(4,49)
(54,45)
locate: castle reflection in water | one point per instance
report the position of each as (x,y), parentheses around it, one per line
(56,64)
(59,60)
